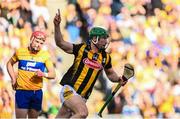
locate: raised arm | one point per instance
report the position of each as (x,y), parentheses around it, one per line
(66,46)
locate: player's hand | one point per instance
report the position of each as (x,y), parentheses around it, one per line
(122,81)
(128,71)
(39,73)
(57,18)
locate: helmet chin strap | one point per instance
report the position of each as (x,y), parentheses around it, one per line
(97,39)
(95,43)
(33,50)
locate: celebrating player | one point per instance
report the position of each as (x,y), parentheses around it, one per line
(90,60)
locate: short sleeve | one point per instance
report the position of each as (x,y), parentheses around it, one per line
(15,57)
(108,65)
(48,61)
(76,48)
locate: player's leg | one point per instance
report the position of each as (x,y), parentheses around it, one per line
(32,113)
(78,106)
(21,113)
(72,101)
(21,103)
(35,104)
(66,92)
(64,112)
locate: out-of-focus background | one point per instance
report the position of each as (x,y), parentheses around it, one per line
(145,33)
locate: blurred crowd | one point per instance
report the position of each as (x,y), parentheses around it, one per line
(145,33)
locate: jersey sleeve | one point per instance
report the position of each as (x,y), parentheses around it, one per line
(108,65)
(48,61)
(15,56)
(76,48)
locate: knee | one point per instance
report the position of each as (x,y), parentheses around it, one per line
(84,113)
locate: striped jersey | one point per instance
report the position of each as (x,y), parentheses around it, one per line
(28,64)
(85,69)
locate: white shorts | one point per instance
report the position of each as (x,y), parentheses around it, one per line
(67,92)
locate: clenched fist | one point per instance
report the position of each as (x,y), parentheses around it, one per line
(39,73)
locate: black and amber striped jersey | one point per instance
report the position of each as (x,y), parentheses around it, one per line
(85,69)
